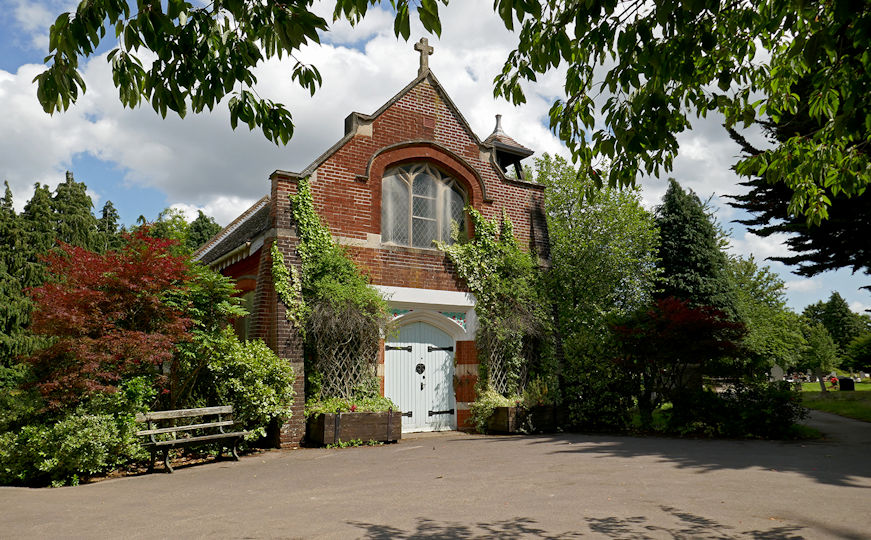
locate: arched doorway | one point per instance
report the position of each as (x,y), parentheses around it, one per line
(419,375)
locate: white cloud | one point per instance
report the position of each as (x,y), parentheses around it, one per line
(201,162)
(33,19)
(762,248)
(222,209)
(860,307)
(804,285)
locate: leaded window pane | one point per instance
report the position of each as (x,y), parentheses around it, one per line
(425,208)
(424,232)
(394,211)
(419,203)
(424,185)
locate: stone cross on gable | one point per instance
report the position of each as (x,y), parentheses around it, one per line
(425,50)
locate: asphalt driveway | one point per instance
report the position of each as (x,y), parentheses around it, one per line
(464,486)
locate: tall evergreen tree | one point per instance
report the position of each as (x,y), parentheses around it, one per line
(37,223)
(201,230)
(108,233)
(838,319)
(74,221)
(14,305)
(693,265)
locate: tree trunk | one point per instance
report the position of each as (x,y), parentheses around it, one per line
(822,380)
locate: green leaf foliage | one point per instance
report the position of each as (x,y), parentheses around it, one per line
(859,353)
(842,324)
(329,299)
(96,436)
(693,267)
(603,264)
(774,334)
(820,354)
(485,404)
(328,273)
(247,375)
(760,410)
(666,348)
(180,56)
(357,404)
(48,218)
(511,304)
(201,230)
(656,66)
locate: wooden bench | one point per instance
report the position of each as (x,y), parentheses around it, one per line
(208,429)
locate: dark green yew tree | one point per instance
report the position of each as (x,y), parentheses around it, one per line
(842,324)
(692,264)
(37,223)
(14,305)
(74,222)
(201,230)
(108,229)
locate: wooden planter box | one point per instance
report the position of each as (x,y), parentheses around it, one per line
(330,428)
(539,419)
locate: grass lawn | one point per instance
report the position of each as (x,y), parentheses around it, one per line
(864,386)
(850,404)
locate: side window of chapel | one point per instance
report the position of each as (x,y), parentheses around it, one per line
(418,205)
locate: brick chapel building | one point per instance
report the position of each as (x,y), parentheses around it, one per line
(387,190)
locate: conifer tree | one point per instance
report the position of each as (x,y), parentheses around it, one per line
(693,265)
(37,223)
(14,305)
(201,230)
(107,228)
(75,223)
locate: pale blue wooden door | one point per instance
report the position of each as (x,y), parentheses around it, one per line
(418,377)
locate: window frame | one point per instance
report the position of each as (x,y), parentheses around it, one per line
(446,186)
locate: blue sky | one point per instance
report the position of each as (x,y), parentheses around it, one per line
(144,164)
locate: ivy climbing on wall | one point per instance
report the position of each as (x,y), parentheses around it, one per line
(288,286)
(514,327)
(342,318)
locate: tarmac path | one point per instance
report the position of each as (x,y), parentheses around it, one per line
(454,485)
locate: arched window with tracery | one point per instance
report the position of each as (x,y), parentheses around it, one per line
(418,204)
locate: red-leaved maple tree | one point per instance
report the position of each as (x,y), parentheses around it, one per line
(106,317)
(659,345)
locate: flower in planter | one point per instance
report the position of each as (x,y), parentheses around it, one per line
(353,408)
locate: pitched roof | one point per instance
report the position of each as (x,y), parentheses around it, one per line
(354,117)
(499,140)
(249,224)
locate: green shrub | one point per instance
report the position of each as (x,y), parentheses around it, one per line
(251,377)
(18,402)
(538,392)
(482,408)
(597,392)
(764,410)
(97,436)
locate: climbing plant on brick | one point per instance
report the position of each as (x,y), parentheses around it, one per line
(330,300)
(513,320)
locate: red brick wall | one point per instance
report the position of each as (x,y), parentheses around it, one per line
(418,127)
(347,194)
(466,378)
(270,323)
(244,272)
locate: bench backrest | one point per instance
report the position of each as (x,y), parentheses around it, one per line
(183,413)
